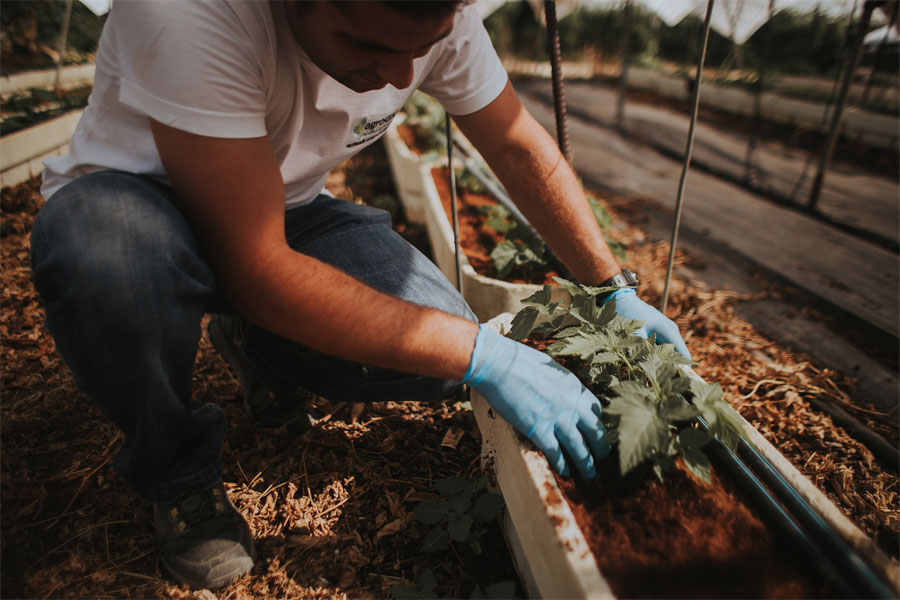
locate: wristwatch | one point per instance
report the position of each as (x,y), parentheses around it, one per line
(624,278)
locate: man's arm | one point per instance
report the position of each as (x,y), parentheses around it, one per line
(544,187)
(232,192)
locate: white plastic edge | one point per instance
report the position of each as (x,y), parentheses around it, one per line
(551,552)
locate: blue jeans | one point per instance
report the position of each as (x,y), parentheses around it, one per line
(125,285)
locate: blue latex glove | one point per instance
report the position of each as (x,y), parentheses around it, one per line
(541,399)
(628,305)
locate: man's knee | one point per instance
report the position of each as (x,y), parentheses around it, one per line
(108,236)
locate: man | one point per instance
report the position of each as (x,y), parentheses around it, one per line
(194,184)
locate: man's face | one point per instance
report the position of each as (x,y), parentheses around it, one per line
(364,45)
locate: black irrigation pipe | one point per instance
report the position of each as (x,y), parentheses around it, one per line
(845,558)
(793,515)
(776,515)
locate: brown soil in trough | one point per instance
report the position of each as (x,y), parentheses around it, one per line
(475,238)
(685,539)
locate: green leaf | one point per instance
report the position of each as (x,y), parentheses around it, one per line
(583,308)
(427,582)
(541,297)
(452,485)
(461,502)
(504,255)
(571,287)
(520,233)
(523,323)
(693,439)
(729,426)
(697,463)
(634,391)
(676,409)
(498,224)
(602,358)
(641,433)
(487,507)
(583,345)
(606,315)
(663,465)
(724,422)
(658,371)
(459,527)
(435,540)
(431,511)
(501,589)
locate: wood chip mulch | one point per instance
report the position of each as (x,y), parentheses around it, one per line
(330,504)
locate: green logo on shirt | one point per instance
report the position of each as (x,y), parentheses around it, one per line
(366,130)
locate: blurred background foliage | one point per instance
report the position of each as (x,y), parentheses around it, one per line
(30,34)
(790,42)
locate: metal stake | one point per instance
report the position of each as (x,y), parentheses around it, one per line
(559,94)
(63,38)
(825,159)
(687,153)
(453,204)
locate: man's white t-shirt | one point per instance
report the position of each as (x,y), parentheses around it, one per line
(233,69)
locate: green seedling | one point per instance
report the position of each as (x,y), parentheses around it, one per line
(650,401)
(459,514)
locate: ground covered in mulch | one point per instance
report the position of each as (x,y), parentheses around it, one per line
(331,505)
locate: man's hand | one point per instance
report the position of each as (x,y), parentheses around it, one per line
(541,399)
(628,305)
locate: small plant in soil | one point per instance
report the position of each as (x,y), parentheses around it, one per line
(25,109)
(425,117)
(520,249)
(459,514)
(651,405)
(524,252)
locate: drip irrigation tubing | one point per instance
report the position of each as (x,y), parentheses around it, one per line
(793,516)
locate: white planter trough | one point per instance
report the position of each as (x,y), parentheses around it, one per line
(22,153)
(405,169)
(550,550)
(488,297)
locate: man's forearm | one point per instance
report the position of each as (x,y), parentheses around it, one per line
(319,306)
(541,183)
(546,190)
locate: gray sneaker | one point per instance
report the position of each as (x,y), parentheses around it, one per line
(267,406)
(203,539)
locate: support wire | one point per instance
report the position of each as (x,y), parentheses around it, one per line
(687,154)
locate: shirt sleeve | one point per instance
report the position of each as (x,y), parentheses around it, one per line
(468,74)
(190,65)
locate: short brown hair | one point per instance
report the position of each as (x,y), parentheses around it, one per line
(426,9)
